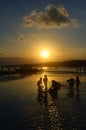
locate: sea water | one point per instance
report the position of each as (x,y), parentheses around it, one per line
(20,110)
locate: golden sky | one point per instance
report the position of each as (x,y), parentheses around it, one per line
(33,26)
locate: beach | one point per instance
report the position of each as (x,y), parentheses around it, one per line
(20,109)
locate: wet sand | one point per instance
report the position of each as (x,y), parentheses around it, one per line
(67,112)
(20,110)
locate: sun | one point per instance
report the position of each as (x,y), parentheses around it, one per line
(45,54)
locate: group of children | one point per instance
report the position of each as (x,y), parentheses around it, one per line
(43,89)
(44,81)
(53,90)
(71,83)
(40,83)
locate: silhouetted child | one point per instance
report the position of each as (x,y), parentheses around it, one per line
(53,90)
(40,86)
(40,96)
(71,84)
(77,83)
(45,80)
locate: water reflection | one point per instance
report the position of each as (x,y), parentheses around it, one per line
(44,68)
(12,92)
(42,98)
(77,95)
(12,77)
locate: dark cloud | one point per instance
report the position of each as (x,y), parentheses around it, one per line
(52,17)
(1,54)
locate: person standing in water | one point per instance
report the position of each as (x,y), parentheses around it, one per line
(40,95)
(39,84)
(77,83)
(45,80)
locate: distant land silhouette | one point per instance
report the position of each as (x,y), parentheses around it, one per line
(72,63)
(36,62)
(16,60)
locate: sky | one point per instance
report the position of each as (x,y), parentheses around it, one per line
(29,26)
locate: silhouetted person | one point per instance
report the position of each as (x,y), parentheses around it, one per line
(77,81)
(40,96)
(45,80)
(53,90)
(71,84)
(40,86)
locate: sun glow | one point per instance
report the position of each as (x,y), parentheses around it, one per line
(45,54)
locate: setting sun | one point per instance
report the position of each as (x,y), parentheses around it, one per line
(44,53)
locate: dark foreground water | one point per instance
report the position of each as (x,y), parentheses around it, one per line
(20,110)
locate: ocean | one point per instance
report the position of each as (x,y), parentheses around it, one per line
(21,110)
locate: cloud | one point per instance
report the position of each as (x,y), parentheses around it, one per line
(75,23)
(52,17)
(1,54)
(21,37)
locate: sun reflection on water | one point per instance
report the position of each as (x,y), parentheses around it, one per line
(44,68)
